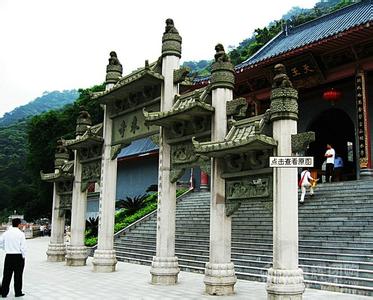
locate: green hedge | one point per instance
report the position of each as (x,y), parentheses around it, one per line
(122,220)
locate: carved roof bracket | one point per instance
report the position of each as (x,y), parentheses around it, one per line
(300,141)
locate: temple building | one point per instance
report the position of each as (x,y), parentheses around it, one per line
(330,62)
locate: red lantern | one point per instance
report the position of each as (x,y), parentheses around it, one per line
(332,95)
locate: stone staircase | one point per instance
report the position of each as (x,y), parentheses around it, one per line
(335,247)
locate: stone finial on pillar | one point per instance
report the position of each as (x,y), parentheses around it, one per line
(284,98)
(171,40)
(285,278)
(61,156)
(83,122)
(114,70)
(220,275)
(222,71)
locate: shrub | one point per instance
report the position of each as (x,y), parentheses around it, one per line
(90,242)
(131,205)
(91,226)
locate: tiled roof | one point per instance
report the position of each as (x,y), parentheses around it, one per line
(138,147)
(244,135)
(313,31)
(189,104)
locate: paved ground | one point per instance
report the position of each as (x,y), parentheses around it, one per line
(44,280)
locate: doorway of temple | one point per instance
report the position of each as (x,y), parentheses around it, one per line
(334,127)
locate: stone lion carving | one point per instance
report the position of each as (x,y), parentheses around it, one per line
(281,79)
(60,148)
(83,114)
(170,27)
(113,60)
(220,55)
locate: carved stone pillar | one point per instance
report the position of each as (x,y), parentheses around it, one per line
(219,273)
(77,252)
(56,248)
(285,278)
(104,259)
(364,152)
(165,268)
(204,185)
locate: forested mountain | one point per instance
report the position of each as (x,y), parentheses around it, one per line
(27,146)
(261,36)
(48,101)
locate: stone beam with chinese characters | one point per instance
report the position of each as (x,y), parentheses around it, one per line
(130,126)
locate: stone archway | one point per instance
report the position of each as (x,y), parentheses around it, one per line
(334,126)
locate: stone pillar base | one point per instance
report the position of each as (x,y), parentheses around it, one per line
(164,270)
(56,252)
(104,261)
(76,255)
(366,174)
(220,279)
(285,284)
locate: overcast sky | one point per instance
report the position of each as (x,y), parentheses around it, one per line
(48,45)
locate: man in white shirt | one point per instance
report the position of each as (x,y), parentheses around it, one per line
(330,157)
(305,182)
(13,241)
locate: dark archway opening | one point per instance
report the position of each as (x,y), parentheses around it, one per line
(334,127)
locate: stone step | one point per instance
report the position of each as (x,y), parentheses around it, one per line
(349,254)
(335,247)
(265,235)
(251,247)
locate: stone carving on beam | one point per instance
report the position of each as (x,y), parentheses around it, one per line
(65,203)
(115,151)
(237,108)
(246,188)
(133,99)
(181,74)
(184,157)
(95,151)
(64,190)
(91,172)
(300,141)
(155,138)
(250,160)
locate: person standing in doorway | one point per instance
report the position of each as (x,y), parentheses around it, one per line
(13,241)
(304,183)
(330,157)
